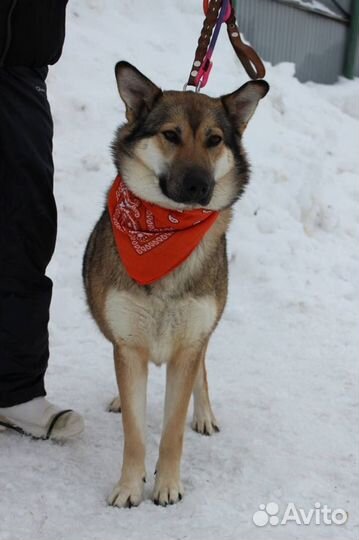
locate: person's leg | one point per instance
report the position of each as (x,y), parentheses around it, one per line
(27,236)
(27,232)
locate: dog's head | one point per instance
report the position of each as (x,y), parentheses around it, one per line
(183,150)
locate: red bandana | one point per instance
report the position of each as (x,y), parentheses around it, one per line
(151,240)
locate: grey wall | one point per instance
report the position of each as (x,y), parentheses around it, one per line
(281,32)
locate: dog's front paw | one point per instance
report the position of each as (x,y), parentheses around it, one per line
(126,495)
(204,422)
(167,490)
(115,405)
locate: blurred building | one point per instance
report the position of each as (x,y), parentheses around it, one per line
(319,36)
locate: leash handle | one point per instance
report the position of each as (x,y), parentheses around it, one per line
(217,12)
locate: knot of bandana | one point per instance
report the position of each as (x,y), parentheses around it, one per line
(152,241)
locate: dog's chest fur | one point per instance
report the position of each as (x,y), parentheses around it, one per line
(179,311)
(157,322)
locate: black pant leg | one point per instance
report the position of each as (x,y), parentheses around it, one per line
(27,232)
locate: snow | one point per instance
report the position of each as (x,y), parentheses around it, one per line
(316,6)
(282,364)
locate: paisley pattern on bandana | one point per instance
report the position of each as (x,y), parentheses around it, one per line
(151,240)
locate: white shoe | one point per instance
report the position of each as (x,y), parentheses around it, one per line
(41,419)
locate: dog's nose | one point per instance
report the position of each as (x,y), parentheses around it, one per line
(197,187)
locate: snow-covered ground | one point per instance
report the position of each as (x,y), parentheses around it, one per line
(283,363)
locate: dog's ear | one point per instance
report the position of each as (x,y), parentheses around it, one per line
(137,92)
(242,103)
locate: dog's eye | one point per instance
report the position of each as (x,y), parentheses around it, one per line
(171,136)
(214,140)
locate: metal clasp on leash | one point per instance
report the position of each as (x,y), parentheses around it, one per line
(207,64)
(218,12)
(204,71)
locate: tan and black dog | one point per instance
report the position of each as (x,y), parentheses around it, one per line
(180,151)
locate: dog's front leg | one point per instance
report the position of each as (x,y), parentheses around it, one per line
(131,371)
(181,373)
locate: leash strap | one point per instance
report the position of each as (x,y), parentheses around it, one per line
(217,12)
(246,54)
(200,66)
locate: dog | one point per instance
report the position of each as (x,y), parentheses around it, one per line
(179,153)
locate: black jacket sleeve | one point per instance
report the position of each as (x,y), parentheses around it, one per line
(32,32)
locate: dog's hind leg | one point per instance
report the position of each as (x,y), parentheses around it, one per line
(203,421)
(115,405)
(131,371)
(181,373)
